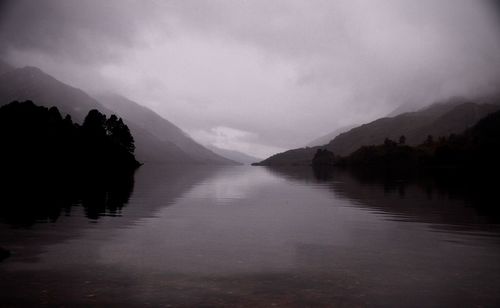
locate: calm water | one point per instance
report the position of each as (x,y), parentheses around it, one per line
(251,236)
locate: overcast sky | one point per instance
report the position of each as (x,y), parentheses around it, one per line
(261,76)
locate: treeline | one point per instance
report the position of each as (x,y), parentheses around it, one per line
(477,149)
(49,164)
(38,141)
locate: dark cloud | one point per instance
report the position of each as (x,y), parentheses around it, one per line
(86,31)
(269,74)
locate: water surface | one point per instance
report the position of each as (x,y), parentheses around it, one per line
(251,236)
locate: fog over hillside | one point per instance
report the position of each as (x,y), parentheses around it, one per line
(261,76)
(157,140)
(438,120)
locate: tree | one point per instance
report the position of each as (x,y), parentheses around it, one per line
(389,143)
(402,140)
(429,140)
(119,133)
(111,125)
(95,122)
(112,128)
(54,114)
(323,157)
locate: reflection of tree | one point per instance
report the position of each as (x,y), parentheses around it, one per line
(29,202)
(446,199)
(108,198)
(24,202)
(322,173)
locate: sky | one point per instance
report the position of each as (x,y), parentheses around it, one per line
(261,76)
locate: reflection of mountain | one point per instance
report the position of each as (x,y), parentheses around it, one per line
(157,140)
(450,205)
(154,187)
(441,119)
(446,206)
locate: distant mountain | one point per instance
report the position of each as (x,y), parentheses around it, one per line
(142,119)
(4,67)
(437,120)
(235,155)
(328,137)
(403,108)
(30,83)
(473,152)
(302,156)
(440,119)
(156,139)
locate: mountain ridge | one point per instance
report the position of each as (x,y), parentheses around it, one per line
(439,119)
(324,139)
(237,156)
(5,67)
(31,83)
(160,128)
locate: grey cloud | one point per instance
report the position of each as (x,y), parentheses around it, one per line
(285,71)
(89,31)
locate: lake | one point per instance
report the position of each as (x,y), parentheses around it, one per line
(252,236)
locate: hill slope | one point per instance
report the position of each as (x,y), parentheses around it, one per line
(235,155)
(165,143)
(330,136)
(5,67)
(440,119)
(30,83)
(147,120)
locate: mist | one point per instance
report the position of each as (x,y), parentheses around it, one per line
(260,76)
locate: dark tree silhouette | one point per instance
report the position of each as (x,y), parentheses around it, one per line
(40,150)
(95,122)
(430,140)
(37,138)
(120,133)
(323,157)
(389,143)
(476,150)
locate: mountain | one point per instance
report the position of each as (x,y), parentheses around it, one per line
(404,108)
(235,155)
(156,139)
(146,120)
(473,152)
(5,67)
(439,119)
(30,83)
(328,137)
(301,156)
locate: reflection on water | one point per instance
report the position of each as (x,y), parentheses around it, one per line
(454,203)
(251,236)
(28,201)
